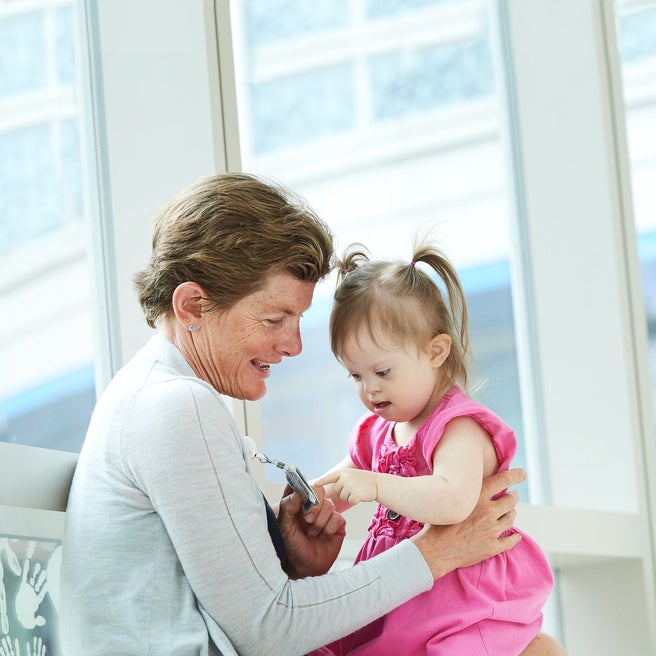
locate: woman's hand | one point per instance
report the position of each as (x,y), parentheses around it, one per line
(312,539)
(446,548)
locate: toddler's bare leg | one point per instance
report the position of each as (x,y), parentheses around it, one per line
(544,645)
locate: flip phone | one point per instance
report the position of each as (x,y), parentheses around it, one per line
(298,483)
(296,480)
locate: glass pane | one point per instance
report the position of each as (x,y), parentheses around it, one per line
(47,388)
(385,118)
(637,43)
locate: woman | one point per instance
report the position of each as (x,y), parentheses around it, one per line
(170,546)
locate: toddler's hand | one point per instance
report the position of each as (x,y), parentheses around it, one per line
(352,485)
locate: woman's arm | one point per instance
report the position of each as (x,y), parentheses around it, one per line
(463,457)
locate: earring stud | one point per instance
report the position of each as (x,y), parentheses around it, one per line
(192,327)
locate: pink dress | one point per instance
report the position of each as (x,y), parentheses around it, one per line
(493,608)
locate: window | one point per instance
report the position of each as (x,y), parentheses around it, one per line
(47,390)
(384,116)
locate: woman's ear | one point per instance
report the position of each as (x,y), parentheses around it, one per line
(187,304)
(440,349)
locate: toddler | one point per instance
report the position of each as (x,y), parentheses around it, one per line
(422,451)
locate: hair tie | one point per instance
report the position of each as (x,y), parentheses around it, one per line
(412,263)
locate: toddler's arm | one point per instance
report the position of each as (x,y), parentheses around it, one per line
(464,456)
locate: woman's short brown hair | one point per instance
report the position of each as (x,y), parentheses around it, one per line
(227,233)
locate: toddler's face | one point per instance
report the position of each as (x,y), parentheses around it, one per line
(395,382)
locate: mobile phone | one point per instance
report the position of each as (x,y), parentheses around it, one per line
(293,475)
(298,483)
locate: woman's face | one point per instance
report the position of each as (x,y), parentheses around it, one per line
(236,348)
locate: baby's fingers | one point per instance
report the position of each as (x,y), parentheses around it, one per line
(326,479)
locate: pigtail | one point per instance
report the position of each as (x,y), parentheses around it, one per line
(433,257)
(353,257)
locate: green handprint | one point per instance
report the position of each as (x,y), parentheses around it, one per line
(38,648)
(30,593)
(14,565)
(7,649)
(35,648)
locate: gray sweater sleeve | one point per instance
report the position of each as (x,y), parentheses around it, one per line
(180,446)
